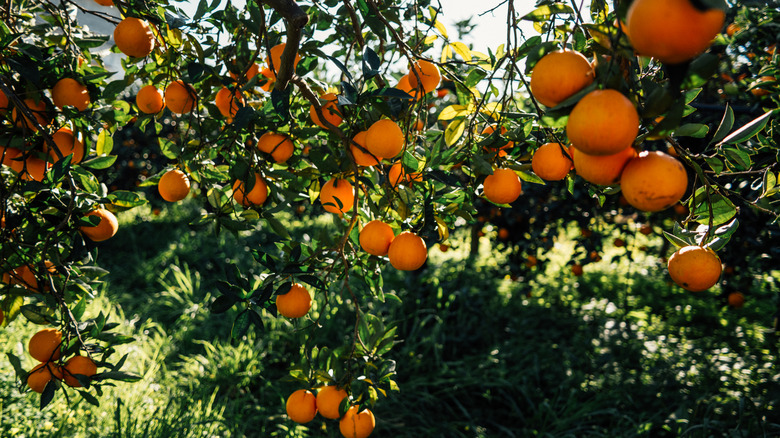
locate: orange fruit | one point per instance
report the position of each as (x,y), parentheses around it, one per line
(330,111)
(604,122)
(759,92)
(653,181)
(174,185)
(180,98)
(375,238)
(134,37)
(149,100)
(732,28)
(404,85)
(736,300)
(45,345)
(24,276)
(9,156)
(67,143)
(70,92)
(41,375)
(489,129)
(295,303)
(276,58)
(503,234)
(228,103)
(356,424)
(385,139)
(2,316)
(339,189)
(550,162)
(646,230)
(250,73)
(424,74)
(672,31)
(4,105)
(603,170)
(256,196)
(78,365)
(362,158)
(694,268)
(619,243)
(35,168)
(328,401)
(301,406)
(407,252)
(560,75)
(531,261)
(577,270)
(105,2)
(502,187)
(268,79)
(397,174)
(278,145)
(105,229)
(38,110)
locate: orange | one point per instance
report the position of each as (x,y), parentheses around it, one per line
(397,174)
(301,406)
(428,75)
(407,252)
(385,139)
(276,58)
(228,103)
(78,365)
(356,424)
(4,105)
(134,37)
(560,75)
(672,31)
(603,170)
(35,168)
(2,316)
(38,110)
(550,162)
(653,181)
(278,145)
(328,401)
(694,268)
(268,79)
(404,85)
(174,185)
(646,230)
(619,243)
(70,92)
(489,129)
(45,345)
(256,196)
(577,270)
(250,73)
(180,98)
(149,100)
(375,238)
(330,111)
(604,122)
(24,276)
(732,28)
(502,187)
(105,2)
(759,92)
(9,156)
(295,303)
(362,158)
(42,375)
(67,143)
(339,189)
(105,229)
(736,300)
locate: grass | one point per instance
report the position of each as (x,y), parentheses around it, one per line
(615,353)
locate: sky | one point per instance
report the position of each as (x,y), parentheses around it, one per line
(491,27)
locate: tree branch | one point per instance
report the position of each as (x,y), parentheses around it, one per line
(295,19)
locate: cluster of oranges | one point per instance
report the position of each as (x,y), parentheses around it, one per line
(44,347)
(302,406)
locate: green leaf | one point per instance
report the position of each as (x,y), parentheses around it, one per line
(738,157)
(723,210)
(748,131)
(454,131)
(99,163)
(240,325)
(676,241)
(542,13)
(105,143)
(695,130)
(726,123)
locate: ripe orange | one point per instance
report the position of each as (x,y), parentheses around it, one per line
(356,424)
(560,75)
(302,406)
(375,238)
(9,156)
(35,168)
(45,345)
(404,85)
(38,110)
(502,187)
(2,316)
(759,92)
(603,170)
(672,31)
(577,270)
(385,139)
(180,98)
(694,268)
(328,400)
(397,175)
(229,103)
(407,252)
(619,243)
(105,229)
(41,375)
(174,185)
(337,196)
(604,122)
(24,276)
(736,300)
(295,303)
(278,145)
(105,2)
(134,37)
(268,80)
(550,162)
(489,129)
(428,73)
(67,143)
(653,181)
(78,365)
(362,158)
(330,111)
(256,196)
(276,58)
(250,73)
(68,91)
(732,28)
(149,100)
(4,105)
(646,230)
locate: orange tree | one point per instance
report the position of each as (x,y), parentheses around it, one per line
(418,133)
